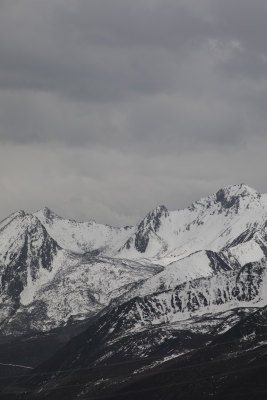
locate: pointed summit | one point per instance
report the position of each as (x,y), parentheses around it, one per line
(236,195)
(232,197)
(15,215)
(45,213)
(149,225)
(239,190)
(152,221)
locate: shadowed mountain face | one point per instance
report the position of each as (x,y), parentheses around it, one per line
(26,252)
(233,366)
(166,292)
(26,248)
(203,356)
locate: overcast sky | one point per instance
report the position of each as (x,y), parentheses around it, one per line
(109,108)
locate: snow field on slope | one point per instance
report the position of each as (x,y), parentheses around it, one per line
(83,237)
(12,235)
(247,252)
(77,288)
(192,267)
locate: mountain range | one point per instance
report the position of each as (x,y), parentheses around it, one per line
(124,305)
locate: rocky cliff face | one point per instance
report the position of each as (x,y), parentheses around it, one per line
(148,227)
(76,289)
(230,289)
(169,322)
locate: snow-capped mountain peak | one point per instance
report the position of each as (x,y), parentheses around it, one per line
(147,227)
(241,189)
(46,214)
(209,223)
(237,195)
(83,237)
(230,198)
(26,250)
(154,216)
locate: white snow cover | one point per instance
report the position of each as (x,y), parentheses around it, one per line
(205,225)
(247,252)
(78,287)
(12,234)
(195,266)
(28,294)
(160,307)
(83,237)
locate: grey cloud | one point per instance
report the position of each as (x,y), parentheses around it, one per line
(117,188)
(164,124)
(104,51)
(243,21)
(249,63)
(99,51)
(120,105)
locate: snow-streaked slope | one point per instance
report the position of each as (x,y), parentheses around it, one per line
(246,287)
(82,237)
(44,286)
(43,277)
(201,264)
(247,252)
(76,288)
(210,223)
(197,265)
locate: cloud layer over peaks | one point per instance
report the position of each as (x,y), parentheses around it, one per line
(117,106)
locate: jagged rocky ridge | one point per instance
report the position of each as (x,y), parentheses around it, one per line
(166,312)
(55,271)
